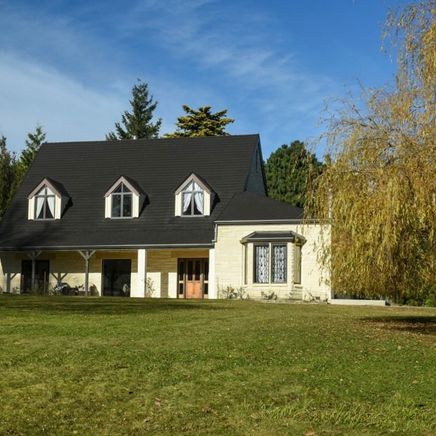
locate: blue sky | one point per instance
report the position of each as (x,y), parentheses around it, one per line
(70,65)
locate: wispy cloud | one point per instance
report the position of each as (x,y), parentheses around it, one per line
(72,71)
(35,95)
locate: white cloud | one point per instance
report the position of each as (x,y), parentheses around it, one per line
(32,94)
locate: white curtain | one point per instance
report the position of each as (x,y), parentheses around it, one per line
(39,205)
(51,205)
(186,201)
(262,263)
(198,197)
(279,263)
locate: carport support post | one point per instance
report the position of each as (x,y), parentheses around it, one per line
(87,254)
(33,255)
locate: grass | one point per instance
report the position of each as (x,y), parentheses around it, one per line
(110,366)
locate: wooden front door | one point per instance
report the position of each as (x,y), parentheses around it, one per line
(193,278)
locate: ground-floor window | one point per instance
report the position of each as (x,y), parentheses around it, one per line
(270,263)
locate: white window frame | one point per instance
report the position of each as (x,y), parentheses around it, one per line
(122,196)
(137,199)
(207,197)
(59,201)
(46,195)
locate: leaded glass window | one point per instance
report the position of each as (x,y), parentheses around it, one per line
(45,201)
(271,263)
(278,264)
(261,263)
(192,200)
(121,202)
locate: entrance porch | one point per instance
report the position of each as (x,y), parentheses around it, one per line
(157,273)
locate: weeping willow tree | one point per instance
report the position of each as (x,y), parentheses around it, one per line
(378,189)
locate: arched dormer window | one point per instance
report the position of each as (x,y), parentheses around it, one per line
(47,201)
(123,199)
(193,197)
(192,200)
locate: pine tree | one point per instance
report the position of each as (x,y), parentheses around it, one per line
(288,172)
(201,122)
(138,123)
(7,176)
(33,143)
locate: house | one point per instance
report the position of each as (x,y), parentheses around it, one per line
(174,218)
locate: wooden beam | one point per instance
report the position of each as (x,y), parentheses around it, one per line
(87,254)
(9,278)
(59,277)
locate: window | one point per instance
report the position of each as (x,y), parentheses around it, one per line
(297,265)
(192,200)
(45,201)
(270,261)
(121,202)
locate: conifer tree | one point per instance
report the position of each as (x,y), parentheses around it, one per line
(138,123)
(33,143)
(288,172)
(201,122)
(7,176)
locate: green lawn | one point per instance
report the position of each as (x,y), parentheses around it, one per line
(73,365)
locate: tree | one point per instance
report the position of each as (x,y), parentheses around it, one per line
(289,170)
(138,123)
(201,122)
(33,143)
(379,189)
(7,176)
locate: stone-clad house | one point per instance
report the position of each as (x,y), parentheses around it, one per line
(183,218)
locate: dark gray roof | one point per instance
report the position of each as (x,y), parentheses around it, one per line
(272,236)
(249,206)
(86,170)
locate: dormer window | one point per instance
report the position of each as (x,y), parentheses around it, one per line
(193,197)
(47,201)
(122,202)
(192,200)
(123,199)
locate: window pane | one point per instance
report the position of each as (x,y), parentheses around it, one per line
(50,207)
(279,262)
(127,205)
(181,270)
(198,203)
(186,203)
(116,205)
(197,270)
(206,270)
(39,213)
(119,188)
(261,263)
(190,270)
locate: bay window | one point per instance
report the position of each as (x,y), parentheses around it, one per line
(270,263)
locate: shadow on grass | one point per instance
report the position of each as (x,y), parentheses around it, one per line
(100,306)
(425,325)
